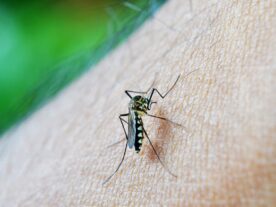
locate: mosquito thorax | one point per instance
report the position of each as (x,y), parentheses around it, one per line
(139,104)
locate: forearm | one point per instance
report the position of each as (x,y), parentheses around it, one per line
(224,158)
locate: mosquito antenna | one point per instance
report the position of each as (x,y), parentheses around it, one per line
(117,167)
(164,166)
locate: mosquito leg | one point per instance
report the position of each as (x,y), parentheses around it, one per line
(165,119)
(163,96)
(139,92)
(121,120)
(164,166)
(129,91)
(112,145)
(117,167)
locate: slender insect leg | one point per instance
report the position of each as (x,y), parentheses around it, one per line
(112,145)
(163,96)
(164,166)
(121,120)
(139,92)
(128,92)
(117,167)
(124,120)
(165,119)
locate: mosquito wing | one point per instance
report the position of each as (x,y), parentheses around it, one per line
(131,129)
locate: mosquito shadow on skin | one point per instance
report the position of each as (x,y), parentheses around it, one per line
(161,135)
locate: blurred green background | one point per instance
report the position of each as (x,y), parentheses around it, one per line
(46,44)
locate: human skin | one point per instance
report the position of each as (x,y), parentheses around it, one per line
(224,153)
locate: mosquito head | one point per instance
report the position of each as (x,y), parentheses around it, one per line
(139,104)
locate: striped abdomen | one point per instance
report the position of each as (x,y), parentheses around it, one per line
(135,131)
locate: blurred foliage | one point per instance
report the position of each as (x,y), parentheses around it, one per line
(46,44)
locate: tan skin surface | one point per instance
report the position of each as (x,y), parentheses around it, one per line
(226,155)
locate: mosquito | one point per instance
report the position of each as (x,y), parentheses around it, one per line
(138,107)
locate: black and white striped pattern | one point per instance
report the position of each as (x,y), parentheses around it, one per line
(135,131)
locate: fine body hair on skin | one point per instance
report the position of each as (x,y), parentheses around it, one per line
(226,157)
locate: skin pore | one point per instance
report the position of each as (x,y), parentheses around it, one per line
(225,154)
